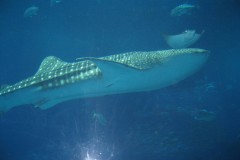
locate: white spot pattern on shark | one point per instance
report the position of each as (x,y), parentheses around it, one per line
(57,81)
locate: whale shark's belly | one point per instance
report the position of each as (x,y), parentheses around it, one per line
(116,81)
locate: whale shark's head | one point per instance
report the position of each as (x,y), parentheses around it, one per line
(179,64)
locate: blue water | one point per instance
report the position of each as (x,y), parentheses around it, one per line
(157,125)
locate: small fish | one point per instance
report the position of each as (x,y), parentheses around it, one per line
(31,11)
(182,10)
(54,2)
(183,40)
(204,115)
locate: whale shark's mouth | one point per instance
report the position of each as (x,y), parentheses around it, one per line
(57,81)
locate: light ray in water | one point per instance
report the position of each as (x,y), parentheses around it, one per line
(95,149)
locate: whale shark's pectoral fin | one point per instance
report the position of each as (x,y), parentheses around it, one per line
(45,103)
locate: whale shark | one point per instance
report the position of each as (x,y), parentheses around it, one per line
(57,81)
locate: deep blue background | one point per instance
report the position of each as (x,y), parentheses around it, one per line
(153,125)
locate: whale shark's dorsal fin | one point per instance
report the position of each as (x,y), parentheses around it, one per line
(50,63)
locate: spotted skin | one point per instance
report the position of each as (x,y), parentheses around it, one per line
(146,60)
(53,72)
(57,81)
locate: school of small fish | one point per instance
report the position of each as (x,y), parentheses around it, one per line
(182,40)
